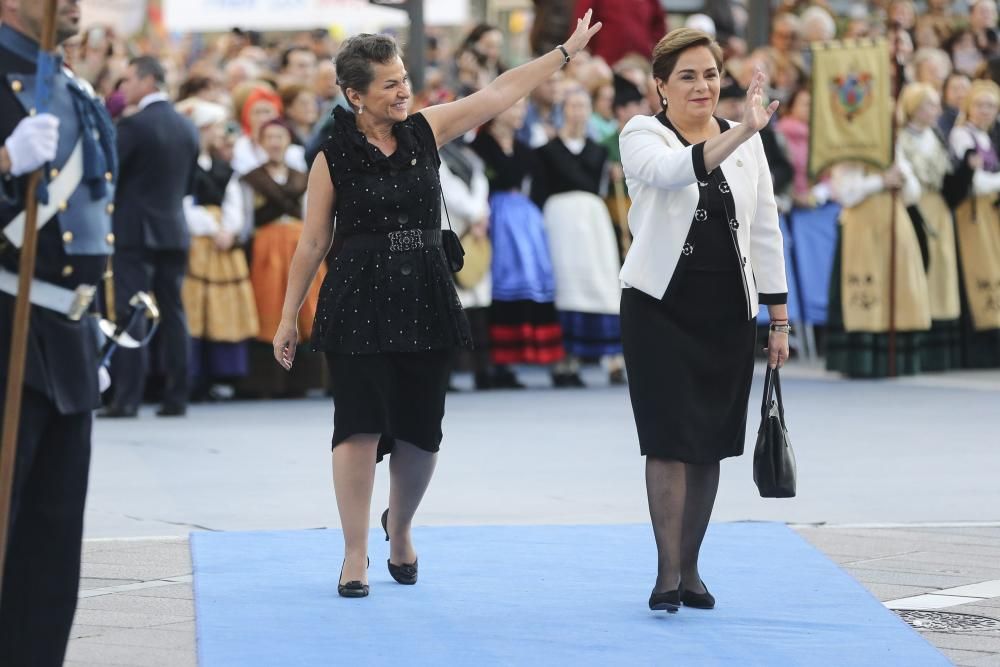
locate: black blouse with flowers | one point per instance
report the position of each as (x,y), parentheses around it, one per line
(379,300)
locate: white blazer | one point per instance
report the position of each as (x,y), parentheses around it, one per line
(661,179)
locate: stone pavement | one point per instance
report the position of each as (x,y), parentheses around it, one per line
(917,522)
(136,602)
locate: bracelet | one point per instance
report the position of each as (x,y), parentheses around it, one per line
(566,56)
(781,328)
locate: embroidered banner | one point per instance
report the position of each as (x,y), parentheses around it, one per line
(851,104)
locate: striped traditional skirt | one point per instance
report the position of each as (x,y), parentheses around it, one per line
(525,332)
(591,335)
(217,294)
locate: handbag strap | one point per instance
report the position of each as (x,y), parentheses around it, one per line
(772,390)
(765,400)
(441,190)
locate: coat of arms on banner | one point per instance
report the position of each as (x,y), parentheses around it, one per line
(851,93)
(851,105)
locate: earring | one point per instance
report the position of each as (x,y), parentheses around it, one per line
(361,110)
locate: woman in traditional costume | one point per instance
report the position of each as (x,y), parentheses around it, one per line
(262,105)
(466,190)
(218,298)
(571,173)
(277,192)
(524,325)
(859,318)
(922,146)
(977,226)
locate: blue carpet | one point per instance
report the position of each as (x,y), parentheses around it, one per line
(538,595)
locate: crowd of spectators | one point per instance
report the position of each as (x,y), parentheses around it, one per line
(263,107)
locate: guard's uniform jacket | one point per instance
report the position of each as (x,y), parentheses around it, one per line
(42,572)
(74,245)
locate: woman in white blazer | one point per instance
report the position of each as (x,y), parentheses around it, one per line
(706,252)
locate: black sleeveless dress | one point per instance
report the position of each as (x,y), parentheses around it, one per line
(690,355)
(388,316)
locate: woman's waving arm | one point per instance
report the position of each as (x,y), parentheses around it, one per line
(456,118)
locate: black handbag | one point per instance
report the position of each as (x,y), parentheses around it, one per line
(773,458)
(453,250)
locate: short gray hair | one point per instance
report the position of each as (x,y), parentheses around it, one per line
(816,23)
(356,57)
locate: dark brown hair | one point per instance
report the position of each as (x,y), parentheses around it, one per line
(668,50)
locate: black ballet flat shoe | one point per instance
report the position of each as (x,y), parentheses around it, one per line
(483,381)
(698,600)
(352,589)
(505,379)
(567,381)
(406,573)
(669,601)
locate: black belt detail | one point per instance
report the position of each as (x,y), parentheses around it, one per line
(406,240)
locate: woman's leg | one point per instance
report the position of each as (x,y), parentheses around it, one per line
(702,486)
(410,471)
(353,480)
(666,489)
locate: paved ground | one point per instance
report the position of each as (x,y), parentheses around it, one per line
(897,484)
(137,608)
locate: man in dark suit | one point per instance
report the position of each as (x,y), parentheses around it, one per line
(60,391)
(158,152)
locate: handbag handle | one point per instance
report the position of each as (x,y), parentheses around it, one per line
(441,190)
(772,389)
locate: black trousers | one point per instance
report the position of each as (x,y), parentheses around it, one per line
(42,573)
(161,273)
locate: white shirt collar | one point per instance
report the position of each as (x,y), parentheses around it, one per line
(158,96)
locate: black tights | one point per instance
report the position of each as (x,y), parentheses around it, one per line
(681,497)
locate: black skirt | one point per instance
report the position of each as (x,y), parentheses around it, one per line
(690,359)
(399,395)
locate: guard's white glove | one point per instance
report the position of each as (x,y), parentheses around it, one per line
(103,378)
(32,143)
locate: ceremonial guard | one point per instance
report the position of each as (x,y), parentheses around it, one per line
(53,122)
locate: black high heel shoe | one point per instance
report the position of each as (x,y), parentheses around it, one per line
(352,589)
(698,600)
(670,601)
(406,573)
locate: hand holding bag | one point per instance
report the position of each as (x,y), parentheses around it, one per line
(773,458)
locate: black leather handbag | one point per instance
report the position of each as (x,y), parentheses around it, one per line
(773,458)
(452,245)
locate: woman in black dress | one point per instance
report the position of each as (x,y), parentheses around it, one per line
(706,252)
(389,317)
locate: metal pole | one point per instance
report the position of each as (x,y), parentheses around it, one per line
(758,24)
(19,327)
(416,45)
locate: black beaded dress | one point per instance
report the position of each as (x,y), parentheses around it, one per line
(388,318)
(690,355)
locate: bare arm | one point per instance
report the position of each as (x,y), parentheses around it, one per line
(456,118)
(313,246)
